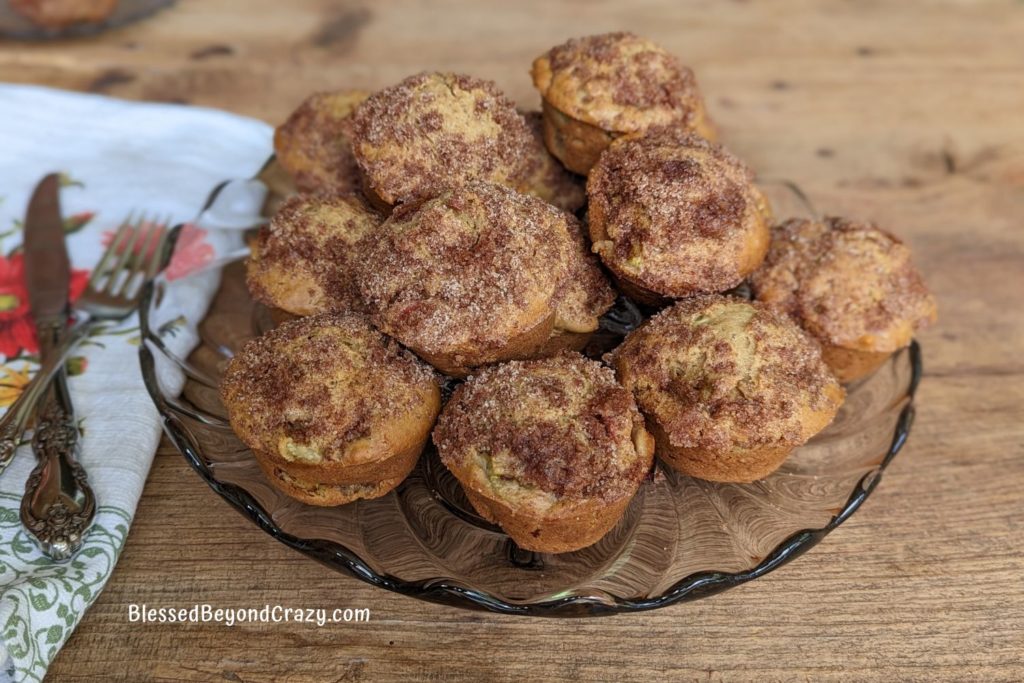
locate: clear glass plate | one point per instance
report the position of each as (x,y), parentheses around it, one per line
(681,538)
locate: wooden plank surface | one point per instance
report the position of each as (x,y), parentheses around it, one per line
(910,113)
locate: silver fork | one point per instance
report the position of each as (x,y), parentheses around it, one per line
(135,254)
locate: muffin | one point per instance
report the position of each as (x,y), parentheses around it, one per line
(585,295)
(60,14)
(672,215)
(596,88)
(729,387)
(473,276)
(433,130)
(548,179)
(314,144)
(302,262)
(307,399)
(851,285)
(551,450)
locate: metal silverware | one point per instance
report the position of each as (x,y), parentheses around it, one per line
(136,254)
(58,505)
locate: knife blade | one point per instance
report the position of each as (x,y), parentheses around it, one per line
(47,268)
(58,505)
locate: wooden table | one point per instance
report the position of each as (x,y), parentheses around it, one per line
(909,113)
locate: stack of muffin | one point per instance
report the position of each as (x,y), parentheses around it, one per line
(436,230)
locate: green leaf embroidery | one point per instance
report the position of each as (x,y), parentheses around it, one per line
(54,633)
(39,601)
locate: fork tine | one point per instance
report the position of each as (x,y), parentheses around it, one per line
(124,257)
(111,252)
(149,242)
(156,258)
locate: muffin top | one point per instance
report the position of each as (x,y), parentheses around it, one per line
(311,391)
(676,214)
(848,283)
(438,129)
(586,293)
(547,178)
(467,270)
(545,431)
(618,82)
(314,143)
(724,374)
(303,260)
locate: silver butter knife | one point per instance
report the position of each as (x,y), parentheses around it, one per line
(59,504)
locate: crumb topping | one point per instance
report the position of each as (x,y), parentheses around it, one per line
(675,213)
(619,82)
(433,130)
(721,374)
(314,143)
(561,426)
(468,269)
(312,387)
(303,260)
(849,283)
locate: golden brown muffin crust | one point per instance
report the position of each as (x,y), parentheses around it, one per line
(314,144)
(848,283)
(560,428)
(722,374)
(466,271)
(438,129)
(313,390)
(324,495)
(676,214)
(618,82)
(547,178)
(302,262)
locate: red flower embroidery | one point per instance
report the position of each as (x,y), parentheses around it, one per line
(191,252)
(17,331)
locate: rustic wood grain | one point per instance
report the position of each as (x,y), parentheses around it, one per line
(909,113)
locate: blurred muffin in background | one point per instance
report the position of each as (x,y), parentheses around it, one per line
(314,144)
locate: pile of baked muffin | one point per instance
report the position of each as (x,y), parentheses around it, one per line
(436,232)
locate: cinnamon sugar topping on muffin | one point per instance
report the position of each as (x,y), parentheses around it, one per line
(729,385)
(618,82)
(314,144)
(462,277)
(312,391)
(438,129)
(302,261)
(551,430)
(674,214)
(848,283)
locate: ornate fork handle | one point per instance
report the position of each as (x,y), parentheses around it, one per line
(14,421)
(59,504)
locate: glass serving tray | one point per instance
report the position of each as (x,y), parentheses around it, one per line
(681,538)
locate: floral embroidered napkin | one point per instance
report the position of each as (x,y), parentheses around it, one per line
(116,157)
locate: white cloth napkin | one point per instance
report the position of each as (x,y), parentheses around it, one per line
(118,157)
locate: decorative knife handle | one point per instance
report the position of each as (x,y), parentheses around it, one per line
(14,421)
(59,504)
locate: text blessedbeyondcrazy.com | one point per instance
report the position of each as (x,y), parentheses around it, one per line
(229,616)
